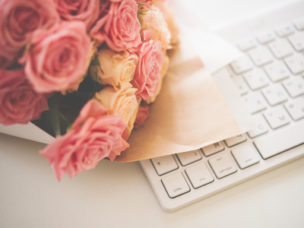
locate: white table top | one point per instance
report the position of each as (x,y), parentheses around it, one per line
(118,195)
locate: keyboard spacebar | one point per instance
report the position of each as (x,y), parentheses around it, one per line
(280,140)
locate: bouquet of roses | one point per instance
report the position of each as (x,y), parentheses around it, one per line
(84,71)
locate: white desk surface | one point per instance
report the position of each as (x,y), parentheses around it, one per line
(118,195)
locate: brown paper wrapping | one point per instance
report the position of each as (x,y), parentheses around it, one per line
(189,113)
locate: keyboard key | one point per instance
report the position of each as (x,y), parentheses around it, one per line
(260,56)
(280,48)
(296,108)
(222,165)
(281,140)
(235,140)
(213,148)
(266,37)
(295,63)
(276,117)
(256,79)
(284,30)
(255,102)
(240,85)
(275,94)
(164,165)
(189,157)
(241,65)
(245,155)
(199,175)
(299,23)
(260,127)
(297,41)
(277,71)
(294,86)
(246,45)
(175,184)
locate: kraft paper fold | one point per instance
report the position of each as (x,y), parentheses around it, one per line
(190,112)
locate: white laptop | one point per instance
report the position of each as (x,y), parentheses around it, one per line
(270,78)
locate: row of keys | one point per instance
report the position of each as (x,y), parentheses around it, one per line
(282,31)
(274,94)
(199,174)
(277,117)
(277,71)
(168,164)
(222,164)
(262,57)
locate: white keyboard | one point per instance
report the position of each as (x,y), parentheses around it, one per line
(270,79)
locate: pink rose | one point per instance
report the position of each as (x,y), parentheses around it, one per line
(119,27)
(142,115)
(18,19)
(86,11)
(19,103)
(59,58)
(94,135)
(148,71)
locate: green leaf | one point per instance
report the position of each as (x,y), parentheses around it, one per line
(95,61)
(55,119)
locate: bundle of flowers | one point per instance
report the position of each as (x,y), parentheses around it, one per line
(84,71)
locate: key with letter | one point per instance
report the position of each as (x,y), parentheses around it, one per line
(222,165)
(175,184)
(246,155)
(164,164)
(260,127)
(256,79)
(260,56)
(235,140)
(199,175)
(296,108)
(277,71)
(275,94)
(213,148)
(187,158)
(277,117)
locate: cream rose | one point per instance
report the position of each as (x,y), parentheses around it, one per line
(165,8)
(154,26)
(122,102)
(114,68)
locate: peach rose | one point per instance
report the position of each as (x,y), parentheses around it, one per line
(19,103)
(119,27)
(59,58)
(165,66)
(122,102)
(18,20)
(148,71)
(154,26)
(95,135)
(165,8)
(86,11)
(114,68)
